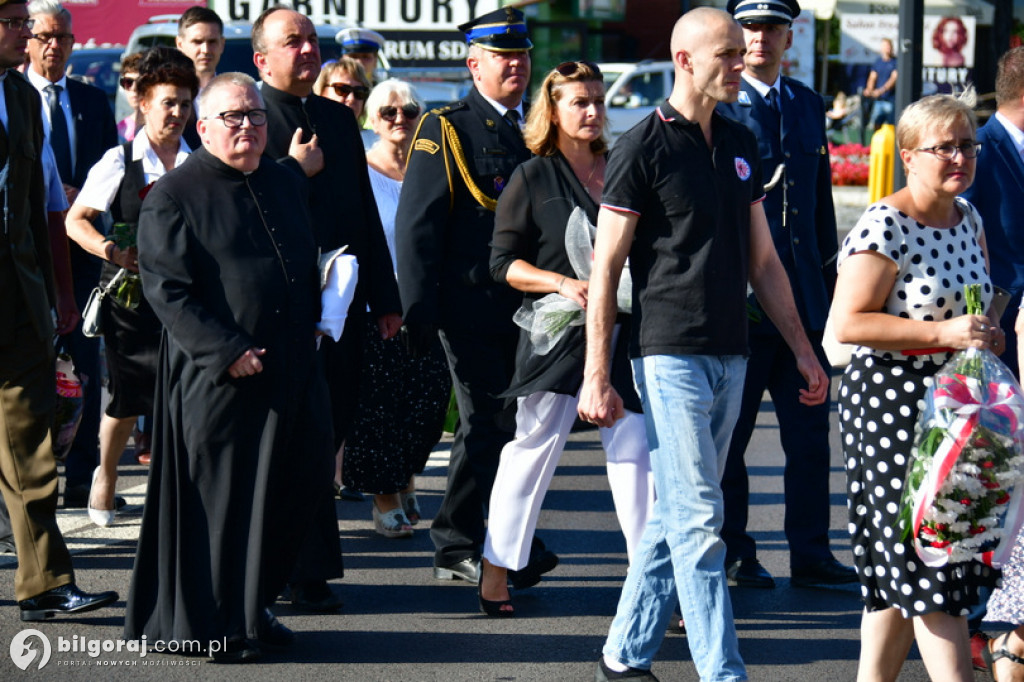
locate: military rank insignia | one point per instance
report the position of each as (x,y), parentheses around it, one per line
(428,146)
(489,123)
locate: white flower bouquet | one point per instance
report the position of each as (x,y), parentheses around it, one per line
(963,500)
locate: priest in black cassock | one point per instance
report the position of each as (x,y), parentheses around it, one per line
(229,264)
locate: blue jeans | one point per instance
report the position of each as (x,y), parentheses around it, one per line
(691,403)
(882,111)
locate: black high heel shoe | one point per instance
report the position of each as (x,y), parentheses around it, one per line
(492,608)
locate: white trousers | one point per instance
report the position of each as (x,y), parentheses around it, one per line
(543,423)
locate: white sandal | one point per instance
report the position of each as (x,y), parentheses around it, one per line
(391,524)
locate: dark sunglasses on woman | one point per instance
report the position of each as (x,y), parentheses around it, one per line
(127,83)
(390,113)
(344,90)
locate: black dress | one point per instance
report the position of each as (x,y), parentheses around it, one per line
(131,336)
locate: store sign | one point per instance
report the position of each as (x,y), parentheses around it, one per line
(380,15)
(947,49)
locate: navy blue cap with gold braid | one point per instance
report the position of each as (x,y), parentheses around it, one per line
(764,11)
(503,30)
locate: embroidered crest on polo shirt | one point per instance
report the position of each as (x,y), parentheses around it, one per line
(742,168)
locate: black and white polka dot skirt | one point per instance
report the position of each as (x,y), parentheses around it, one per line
(879,400)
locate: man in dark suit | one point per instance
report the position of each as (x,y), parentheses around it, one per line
(460,160)
(83,131)
(320,139)
(44,583)
(788,119)
(998,190)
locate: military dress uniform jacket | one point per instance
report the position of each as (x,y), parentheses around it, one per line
(445,218)
(807,243)
(26,264)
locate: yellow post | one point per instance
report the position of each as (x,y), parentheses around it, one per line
(882,164)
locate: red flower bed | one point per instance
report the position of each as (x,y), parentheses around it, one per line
(849,163)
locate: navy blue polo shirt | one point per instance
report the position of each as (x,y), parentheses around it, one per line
(690,255)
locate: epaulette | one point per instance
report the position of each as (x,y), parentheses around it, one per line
(448,108)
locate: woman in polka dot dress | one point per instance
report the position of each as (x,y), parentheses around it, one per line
(900,299)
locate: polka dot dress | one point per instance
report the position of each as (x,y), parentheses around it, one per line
(880,396)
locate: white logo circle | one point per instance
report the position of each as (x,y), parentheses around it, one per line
(23,654)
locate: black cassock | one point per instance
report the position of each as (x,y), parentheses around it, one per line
(228,262)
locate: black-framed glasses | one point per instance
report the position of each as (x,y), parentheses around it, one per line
(127,82)
(17,23)
(61,38)
(390,113)
(569,69)
(234,119)
(344,90)
(948,152)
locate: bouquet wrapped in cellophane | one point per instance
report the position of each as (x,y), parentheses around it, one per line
(548,318)
(128,293)
(963,495)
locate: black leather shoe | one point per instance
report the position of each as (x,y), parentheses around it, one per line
(749,573)
(7,545)
(237,651)
(63,600)
(606,674)
(827,572)
(468,569)
(314,596)
(272,633)
(541,562)
(77,497)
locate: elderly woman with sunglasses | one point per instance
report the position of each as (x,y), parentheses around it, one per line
(900,299)
(166,87)
(402,399)
(565,129)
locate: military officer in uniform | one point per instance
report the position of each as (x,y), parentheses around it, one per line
(461,158)
(788,119)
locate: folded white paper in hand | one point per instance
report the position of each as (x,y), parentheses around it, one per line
(339,272)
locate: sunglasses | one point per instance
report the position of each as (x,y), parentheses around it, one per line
(344,90)
(127,82)
(568,69)
(390,113)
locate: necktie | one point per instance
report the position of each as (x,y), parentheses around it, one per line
(773,101)
(59,138)
(512,116)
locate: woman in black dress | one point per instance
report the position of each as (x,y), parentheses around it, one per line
(166,87)
(900,298)
(565,129)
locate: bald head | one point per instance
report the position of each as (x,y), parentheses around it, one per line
(707,50)
(693,28)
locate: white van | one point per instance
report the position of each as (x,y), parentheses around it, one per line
(635,93)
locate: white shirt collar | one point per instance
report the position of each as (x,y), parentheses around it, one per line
(151,164)
(501,108)
(1015,133)
(40,83)
(763,88)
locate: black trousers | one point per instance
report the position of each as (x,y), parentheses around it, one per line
(481,366)
(804,434)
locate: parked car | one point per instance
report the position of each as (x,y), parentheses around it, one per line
(99,66)
(638,90)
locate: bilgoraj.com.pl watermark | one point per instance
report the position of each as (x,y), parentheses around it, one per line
(32,649)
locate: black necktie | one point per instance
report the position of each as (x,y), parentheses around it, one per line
(773,101)
(512,116)
(59,138)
